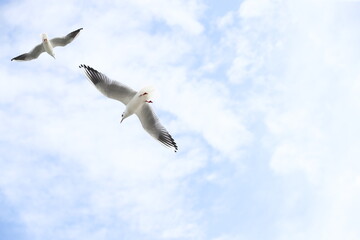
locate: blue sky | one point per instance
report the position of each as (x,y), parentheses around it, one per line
(261,96)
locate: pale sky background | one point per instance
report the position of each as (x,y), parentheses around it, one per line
(261,96)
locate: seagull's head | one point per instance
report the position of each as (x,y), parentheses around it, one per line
(44,37)
(124,115)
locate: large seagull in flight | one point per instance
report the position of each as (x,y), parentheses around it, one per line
(136,102)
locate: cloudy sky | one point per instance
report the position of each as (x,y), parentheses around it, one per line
(261,96)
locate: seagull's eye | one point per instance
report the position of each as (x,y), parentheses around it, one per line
(122,115)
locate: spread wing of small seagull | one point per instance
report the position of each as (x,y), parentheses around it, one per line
(63,41)
(34,53)
(47,46)
(136,102)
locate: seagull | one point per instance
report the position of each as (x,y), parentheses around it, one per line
(136,102)
(47,46)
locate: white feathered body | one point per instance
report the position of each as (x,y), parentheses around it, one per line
(140,98)
(47,45)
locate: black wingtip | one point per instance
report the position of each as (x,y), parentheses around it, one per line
(17,59)
(87,67)
(168,141)
(173,143)
(92,74)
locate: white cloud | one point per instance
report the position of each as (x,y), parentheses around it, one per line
(296,61)
(230,237)
(226,20)
(310,129)
(85,175)
(255,8)
(178,13)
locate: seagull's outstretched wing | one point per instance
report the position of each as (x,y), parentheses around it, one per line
(30,55)
(63,41)
(152,125)
(108,87)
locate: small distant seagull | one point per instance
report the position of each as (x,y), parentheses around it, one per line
(47,46)
(136,102)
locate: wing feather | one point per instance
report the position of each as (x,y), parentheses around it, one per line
(110,88)
(34,53)
(63,41)
(152,125)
